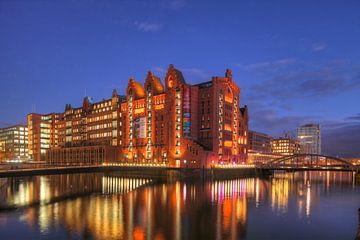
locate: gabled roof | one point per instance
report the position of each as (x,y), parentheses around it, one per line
(178,74)
(243,110)
(156,83)
(139,90)
(159,88)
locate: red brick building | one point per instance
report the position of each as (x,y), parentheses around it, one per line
(179,124)
(42,134)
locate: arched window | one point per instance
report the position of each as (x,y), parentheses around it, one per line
(170,82)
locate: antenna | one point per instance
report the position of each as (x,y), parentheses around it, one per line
(33,107)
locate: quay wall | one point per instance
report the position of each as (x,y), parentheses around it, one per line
(142,172)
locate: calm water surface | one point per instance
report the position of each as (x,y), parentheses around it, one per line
(303,205)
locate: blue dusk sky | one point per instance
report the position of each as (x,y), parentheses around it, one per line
(296,61)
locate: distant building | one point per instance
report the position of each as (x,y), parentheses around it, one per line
(355,161)
(285,146)
(259,142)
(309,137)
(13,143)
(255,157)
(42,134)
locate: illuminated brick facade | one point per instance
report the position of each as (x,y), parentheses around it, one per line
(42,134)
(179,125)
(91,124)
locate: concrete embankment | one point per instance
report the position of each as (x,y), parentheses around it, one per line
(147,172)
(49,171)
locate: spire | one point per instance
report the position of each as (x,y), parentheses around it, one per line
(86,103)
(228,73)
(67,106)
(114,93)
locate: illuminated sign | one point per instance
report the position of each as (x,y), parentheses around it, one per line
(228,144)
(140,127)
(139,110)
(186,113)
(158,107)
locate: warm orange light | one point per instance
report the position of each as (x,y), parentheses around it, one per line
(228,143)
(123,107)
(227,127)
(228,99)
(227,211)
(139,110)
(158,107)
(139,233)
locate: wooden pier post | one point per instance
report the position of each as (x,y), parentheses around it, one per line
(358,231)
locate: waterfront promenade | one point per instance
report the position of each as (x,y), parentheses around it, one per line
(161,170)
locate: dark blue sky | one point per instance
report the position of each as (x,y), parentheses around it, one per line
(295,61)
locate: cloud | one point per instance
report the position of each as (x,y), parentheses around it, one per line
(343,142)
(271,122)
(279,86)
(302,82)
(342,138)
(339,138)
(159,70)
(325,85)
(192,75)
(356,117)
(195,74)
(272,66)
(148,27)
(177,4)
(317,47)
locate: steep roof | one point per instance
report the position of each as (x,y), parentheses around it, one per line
(159,88)
(176,74)
(155,82)
(139,90)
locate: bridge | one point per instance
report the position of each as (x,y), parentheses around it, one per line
(309,162)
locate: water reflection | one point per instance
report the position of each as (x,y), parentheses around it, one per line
(114,207)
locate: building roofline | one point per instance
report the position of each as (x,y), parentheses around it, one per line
(310,125)
(45,113)
(203,83)
(15,125)
(260,133)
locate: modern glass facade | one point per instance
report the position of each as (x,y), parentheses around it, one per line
(309,137)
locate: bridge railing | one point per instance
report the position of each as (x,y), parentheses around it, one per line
(309,161)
